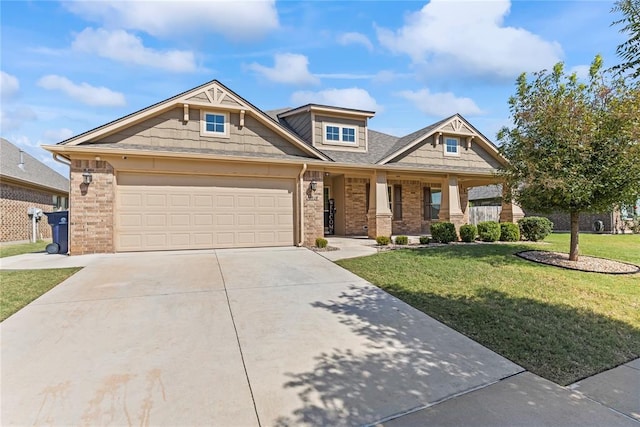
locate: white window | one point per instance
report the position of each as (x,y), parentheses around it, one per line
(339,134)
(60,203)
(215,124)
(451,146)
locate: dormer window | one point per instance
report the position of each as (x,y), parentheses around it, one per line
(340,134)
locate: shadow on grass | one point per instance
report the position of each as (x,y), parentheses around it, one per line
(408,360)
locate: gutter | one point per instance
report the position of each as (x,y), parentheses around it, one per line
(301,205)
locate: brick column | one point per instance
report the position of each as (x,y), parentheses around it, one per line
(450,209)
(91,208)
(510,211)
(313,207)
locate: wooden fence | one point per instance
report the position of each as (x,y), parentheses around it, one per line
(484,213)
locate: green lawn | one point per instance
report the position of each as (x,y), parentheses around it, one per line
(22,248)
(19,287)
(560,324)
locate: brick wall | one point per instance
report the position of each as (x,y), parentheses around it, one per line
(355,190)
(562,221)
(15,224)
(411,222)
(313,208)
(91,208)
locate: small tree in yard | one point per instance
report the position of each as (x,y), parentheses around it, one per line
(574,147)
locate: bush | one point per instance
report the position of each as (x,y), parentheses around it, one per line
(402,240)
(443,232)
(321,242)
(535,228)
(468,232)
(425,240)
(489,231)
(383,240)
(509,232)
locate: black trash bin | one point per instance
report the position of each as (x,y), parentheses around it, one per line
(59,222)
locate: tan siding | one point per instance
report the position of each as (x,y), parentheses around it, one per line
(167,130)
(319,132)
(228,101)
(426,154)
(201,97)
(301,123)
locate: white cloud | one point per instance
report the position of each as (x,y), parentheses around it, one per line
(354,97)
(582,71)
(288,68)
(471,39)
(124,47)
(57,135)
(13,119)
(9,85)
(238,20)
(441,104)
(83,92)
(355,38)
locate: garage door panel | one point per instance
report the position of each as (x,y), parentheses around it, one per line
(162,212)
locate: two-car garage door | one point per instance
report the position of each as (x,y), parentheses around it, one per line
(163,212)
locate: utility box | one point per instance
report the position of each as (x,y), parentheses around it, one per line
(59,222)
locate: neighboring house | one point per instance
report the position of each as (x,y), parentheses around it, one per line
(207,169)
(614,221)
(27,183)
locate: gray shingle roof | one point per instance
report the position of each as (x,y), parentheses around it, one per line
(379,144)
(485,192)
(408,139)
(33,172)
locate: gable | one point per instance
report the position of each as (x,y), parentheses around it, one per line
(172,124)
(431,153)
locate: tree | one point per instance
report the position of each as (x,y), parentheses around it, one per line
(574,146)
(629,51)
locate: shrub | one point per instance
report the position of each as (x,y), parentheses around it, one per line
(424,240)
(468,232)
(535,228)
(321,242)
(402,240)
(443,232)
(383,240)
(509,232)
(489,231)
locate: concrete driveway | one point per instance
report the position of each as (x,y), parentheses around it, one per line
(231,338)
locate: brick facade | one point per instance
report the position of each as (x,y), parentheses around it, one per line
(313,207)
(355,210)
(15,223)
(411,222)
(91,211)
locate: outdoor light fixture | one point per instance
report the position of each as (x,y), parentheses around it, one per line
(87,177)
(314,185)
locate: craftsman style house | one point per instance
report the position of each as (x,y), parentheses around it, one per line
(207,169)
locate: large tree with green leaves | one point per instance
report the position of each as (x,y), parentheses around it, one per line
(574,146)
(629,51)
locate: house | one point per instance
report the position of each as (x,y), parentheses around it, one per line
(27,183)
(613,221)
(207,169)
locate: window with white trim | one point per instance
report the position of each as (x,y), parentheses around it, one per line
(340,134)
(215,124)
(451,146)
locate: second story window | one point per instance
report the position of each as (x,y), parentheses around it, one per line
(215,124)
(451,147)
(340,134)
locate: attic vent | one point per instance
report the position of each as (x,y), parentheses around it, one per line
(21,164)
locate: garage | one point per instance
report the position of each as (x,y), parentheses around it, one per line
(173,212)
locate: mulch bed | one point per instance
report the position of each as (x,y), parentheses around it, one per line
(584,263)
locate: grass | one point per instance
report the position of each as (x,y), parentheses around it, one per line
(22,248)
(560,324)
(19,287)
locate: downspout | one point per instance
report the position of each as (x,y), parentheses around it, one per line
(301,205)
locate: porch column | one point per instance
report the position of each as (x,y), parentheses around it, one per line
(450,208)
(379,215)
(510,211)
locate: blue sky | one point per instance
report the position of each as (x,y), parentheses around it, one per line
(68,67)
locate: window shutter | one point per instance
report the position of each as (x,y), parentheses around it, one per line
(397,202)
(426,202)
